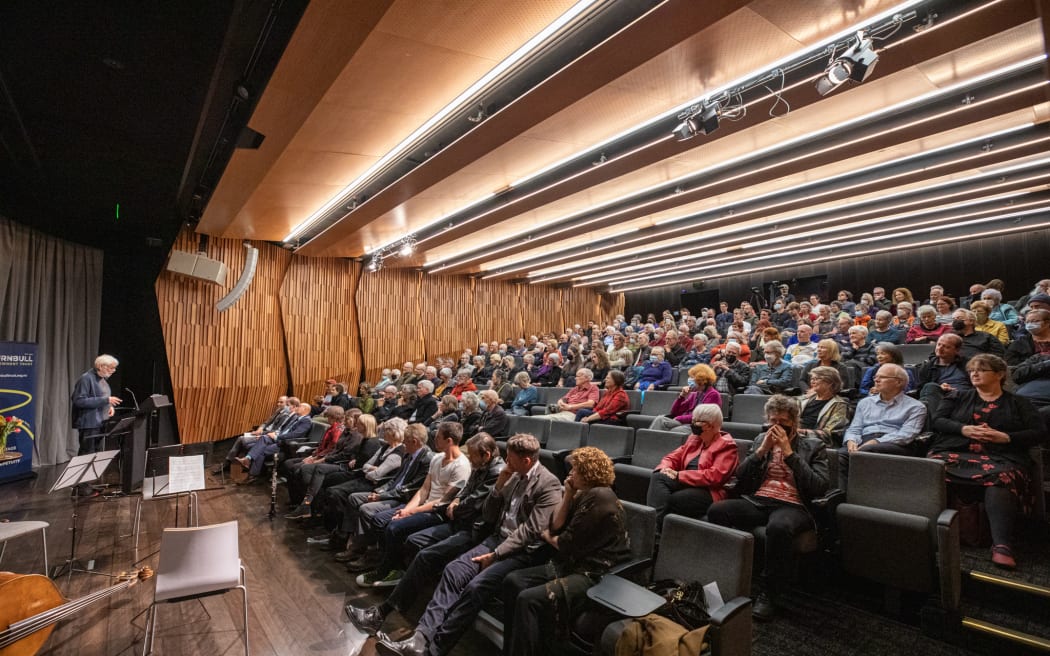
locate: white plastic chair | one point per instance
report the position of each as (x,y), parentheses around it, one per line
(10,530)
(196,562)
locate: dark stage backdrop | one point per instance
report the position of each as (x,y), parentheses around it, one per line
(1019,260)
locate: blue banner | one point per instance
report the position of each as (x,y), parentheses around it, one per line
(17,409)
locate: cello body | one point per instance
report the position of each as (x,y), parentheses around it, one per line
(26,595)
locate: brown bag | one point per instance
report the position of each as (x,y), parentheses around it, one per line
(655,635)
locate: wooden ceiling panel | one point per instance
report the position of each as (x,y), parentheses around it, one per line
(812,20)
(313,167)
(492,29)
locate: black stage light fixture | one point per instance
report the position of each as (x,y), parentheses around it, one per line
(856,63)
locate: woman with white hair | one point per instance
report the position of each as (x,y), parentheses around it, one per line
(1004,313)
(693,476)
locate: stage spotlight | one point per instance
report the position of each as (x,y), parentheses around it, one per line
(406,249)
(685,130)
(375,264)
(709,118)
(856,63)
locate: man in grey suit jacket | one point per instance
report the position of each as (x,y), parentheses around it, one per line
(521,505)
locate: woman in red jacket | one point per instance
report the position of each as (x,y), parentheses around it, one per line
(693,476)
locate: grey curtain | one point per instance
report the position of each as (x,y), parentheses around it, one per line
(51,294)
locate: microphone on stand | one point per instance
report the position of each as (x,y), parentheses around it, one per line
(133,398)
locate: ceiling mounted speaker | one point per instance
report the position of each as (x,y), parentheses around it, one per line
(227,301)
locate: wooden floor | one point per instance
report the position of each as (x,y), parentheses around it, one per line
(296,591)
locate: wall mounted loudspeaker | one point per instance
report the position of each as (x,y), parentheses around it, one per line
(247,274)
(197,265)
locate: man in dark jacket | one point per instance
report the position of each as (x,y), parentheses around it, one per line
(974,341)
(438,545)
(1029,360)
(520,507)
(778,481)
(269,443)
(426,404)
(93,403)
(942,372)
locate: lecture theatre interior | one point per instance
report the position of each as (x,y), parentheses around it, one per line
(471,327)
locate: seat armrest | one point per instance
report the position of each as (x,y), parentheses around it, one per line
(831,500)
(623,460)
(949,559)
(631,567)
(730,610)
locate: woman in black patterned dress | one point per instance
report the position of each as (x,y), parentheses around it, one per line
(984,435)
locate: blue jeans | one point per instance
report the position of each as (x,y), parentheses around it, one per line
(396,533)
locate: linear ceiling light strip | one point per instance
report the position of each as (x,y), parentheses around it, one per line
(995,78)
(867,250)
(769,201)
(464,99)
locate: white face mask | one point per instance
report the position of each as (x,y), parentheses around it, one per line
(770,358)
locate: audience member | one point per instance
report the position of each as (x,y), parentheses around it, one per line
(926,330)
(974,342)
(944,372)
(656,373)
(883,331)
(888,421)
(774,375)
(778,481)
(612,407)
(1004,313)
(822,412)
(700,390)
(983,323)
(1029,359)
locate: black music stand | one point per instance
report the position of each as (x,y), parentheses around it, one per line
(81,469)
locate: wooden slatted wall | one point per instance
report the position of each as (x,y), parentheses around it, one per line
(540,309)
(320,323)
(389,320)
(226,368)
(579,305)
(496,311)
(610,305)
(447,308)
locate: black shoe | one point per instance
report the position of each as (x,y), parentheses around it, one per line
(219,471)
(764,607)
(302,512)
(361,564)
(369,620)
(416,645)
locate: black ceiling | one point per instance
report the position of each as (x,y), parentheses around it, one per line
(126,102)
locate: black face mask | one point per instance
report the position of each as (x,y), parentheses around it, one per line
(958,325)
(698,429)
(730,357)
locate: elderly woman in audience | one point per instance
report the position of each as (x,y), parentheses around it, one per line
(448,410)
(700,390)
(822,412)
(945,306)
(926,330)
(445,382)
(886,353)
(700,353)
(772,375)
(905,318)
(656,372)
(504,388)
(693,476)
(526,397)
(482,371)
(861,350)
(983,435)
(406,402)
(463,384)
(883,330)
(828,355)
(573,361)
(778,480)
(982,312)
(549,374)
(612,407)
(470,413)
(588,533)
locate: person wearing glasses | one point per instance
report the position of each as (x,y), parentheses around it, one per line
(983,436)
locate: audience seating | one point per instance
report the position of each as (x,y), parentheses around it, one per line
(901,501)
(742,431)
(654,404)
(727,560)
(535,426)
(749,408)
(915,353)
(650,447)
(617,442)
(558,447)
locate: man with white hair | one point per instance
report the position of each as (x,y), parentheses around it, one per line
(385,379)
(386,404)
(93,403)
(426,404)
(581,397)
(883,330)
(885,422)
(1004,313)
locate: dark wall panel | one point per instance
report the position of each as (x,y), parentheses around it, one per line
(1019,260)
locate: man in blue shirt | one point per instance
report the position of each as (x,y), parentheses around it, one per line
(887,422)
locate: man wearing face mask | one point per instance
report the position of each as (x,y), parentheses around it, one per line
(733,371)
(974,341)
(774,374)
(778,480)
(693,476)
